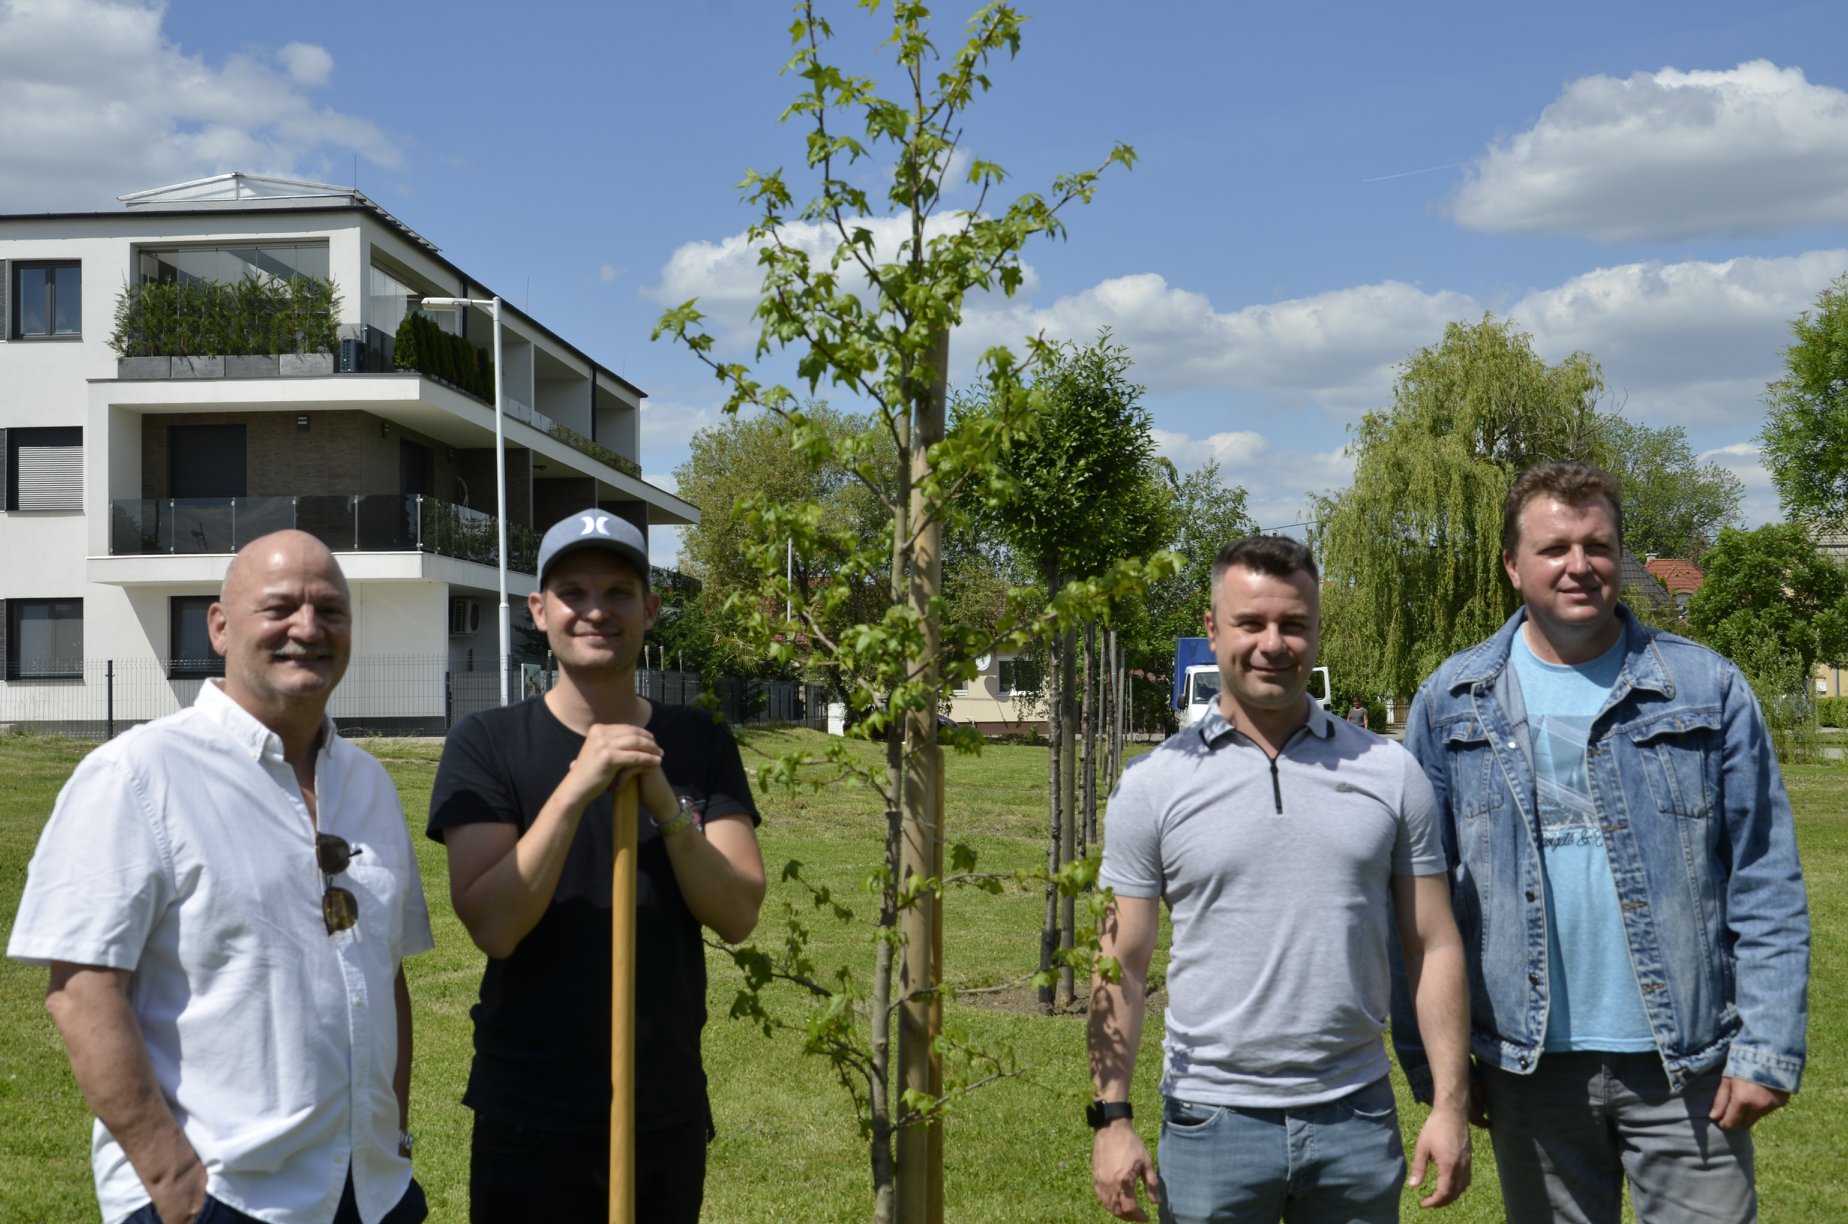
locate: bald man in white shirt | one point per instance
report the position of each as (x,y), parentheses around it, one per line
(224,897)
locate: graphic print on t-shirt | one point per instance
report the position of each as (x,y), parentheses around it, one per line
(1562,791)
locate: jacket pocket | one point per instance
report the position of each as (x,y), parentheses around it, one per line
(1674,753)
(1474,788)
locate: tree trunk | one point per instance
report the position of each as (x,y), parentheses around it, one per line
(1049,930)
(878,1100)
(1068,801)
(919,1182)
(1091,716)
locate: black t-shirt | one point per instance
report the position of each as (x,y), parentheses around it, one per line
(542,1024)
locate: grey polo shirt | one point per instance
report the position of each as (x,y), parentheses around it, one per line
(1276,877)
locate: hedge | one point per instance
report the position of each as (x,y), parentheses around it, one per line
(252,316)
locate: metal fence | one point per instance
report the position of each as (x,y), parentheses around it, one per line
(380,695)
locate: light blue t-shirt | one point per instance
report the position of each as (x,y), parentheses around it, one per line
(1594,1002)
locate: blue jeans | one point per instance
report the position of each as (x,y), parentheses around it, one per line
(1341,1162)
(1569,1135)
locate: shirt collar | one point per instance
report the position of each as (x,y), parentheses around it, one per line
(1214,725)
(242,727)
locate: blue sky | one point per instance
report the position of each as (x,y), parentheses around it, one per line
(1320,187)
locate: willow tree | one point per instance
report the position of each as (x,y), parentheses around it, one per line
(872,319)
(1411,551)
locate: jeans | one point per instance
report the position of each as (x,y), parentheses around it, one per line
(1567,1137)
(520,1174)
(1340,1162)
(411,1209)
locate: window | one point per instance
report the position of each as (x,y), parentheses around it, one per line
(44,639)
(44,469)
(229,264)
(189,644)
(47,300)
(1019,676)
(205,461)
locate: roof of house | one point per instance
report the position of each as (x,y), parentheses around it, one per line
(1633,577)
(241,191)
(1676,574)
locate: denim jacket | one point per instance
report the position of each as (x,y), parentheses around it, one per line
(1701,845)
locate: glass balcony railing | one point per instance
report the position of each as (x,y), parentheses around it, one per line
(371,522)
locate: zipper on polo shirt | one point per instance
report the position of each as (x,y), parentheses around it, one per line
(1276,786)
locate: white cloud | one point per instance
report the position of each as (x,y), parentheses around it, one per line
(668,427)
(1669,155)
(307,63)
(1690,343)
(1742,459)
(98,102)
(607,273)
(1235,451)
(1337,349)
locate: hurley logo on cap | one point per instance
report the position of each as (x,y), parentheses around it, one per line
(595,524)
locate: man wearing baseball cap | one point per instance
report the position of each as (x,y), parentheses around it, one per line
(522,802)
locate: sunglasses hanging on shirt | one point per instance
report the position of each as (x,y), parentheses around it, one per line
(339,907)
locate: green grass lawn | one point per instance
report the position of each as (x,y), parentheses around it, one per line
(788,1147)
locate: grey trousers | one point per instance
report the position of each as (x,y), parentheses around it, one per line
(1568,1136)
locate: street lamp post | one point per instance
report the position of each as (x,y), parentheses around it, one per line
(493,307)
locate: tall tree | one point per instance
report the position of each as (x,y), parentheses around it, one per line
(1411,551)
(1673,504)
(1085,493)
(875,324)
(1805,439)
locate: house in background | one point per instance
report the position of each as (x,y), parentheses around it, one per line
(1004,698)
(1680,578)
(1637,584)
(129,480)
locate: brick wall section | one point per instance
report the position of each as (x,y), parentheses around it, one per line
(342,453)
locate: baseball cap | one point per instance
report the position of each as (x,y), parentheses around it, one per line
(593,528)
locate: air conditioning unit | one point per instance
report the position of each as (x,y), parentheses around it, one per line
(464,617)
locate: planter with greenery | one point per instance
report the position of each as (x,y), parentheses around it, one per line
(225,320)
(422,346)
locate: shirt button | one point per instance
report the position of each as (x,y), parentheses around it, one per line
(1530,894)
(1533,979)
(1511,745)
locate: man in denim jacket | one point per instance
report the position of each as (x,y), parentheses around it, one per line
(1625,877)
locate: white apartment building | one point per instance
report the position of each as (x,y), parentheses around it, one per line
(129,480)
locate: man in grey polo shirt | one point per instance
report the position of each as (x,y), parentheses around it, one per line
(1282,839)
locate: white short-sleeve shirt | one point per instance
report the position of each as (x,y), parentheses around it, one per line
(183,852)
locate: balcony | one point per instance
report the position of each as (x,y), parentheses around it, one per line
(370,522)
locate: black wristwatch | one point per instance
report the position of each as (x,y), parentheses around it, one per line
(1102,1113)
